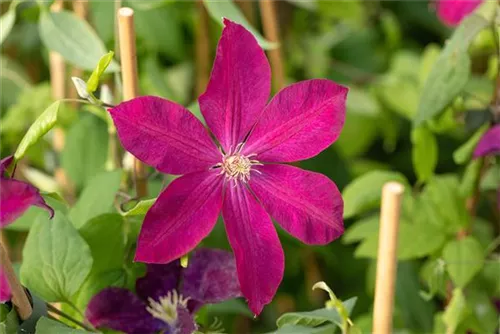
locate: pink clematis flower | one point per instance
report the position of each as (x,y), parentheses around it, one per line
(17,196)
(243,179)
(451,12)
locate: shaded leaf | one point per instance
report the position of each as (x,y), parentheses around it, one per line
(424,153)
(49,326)
(9,321)
(464,259)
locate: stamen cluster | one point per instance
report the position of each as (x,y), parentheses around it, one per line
(236,166)
(166,308)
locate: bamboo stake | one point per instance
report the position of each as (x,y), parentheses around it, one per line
(19,298)
(392,194)
(202,49)
(126,32)
(269,23)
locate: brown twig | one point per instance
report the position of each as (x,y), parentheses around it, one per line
(126,32)
(392,195)
(270,25)
(19,297)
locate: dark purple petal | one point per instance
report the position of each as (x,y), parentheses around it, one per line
(211,277)
(182,216)
(5,293)
(5,163)
(301,121)
(451,12)
(489,143)
(159,280)
(259,257)
(121,310)
(307,205)
(165,135)
(239,86)
(16,197)
(185,322)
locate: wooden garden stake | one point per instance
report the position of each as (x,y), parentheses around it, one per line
(392,194)
(269,23)
(126,33)
(80,7)
(19,298)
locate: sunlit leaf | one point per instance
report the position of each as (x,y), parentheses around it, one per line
(102,65)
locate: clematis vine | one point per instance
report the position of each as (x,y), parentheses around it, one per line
(489,144)
(244,178)
(168,296)
(17,196)
(452,12)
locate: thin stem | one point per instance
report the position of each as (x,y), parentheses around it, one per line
(68,317)
(492,246)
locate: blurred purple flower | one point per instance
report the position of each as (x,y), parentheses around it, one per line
(243,179)
(162,302)
(489,144)
(17,196)
(451,12)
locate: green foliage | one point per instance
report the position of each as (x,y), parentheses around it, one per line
(364,193)
(85,150)
(73,38)
(96,198)
(464,259)
(464,152)
(49,326)
(141,208)
(56,259)
(102,65)
(9,321)
(7,21)
(455,311)
(46,121)
(227,9)
(424,153)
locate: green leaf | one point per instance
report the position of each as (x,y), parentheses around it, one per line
(81,87)
(104,233)
(28,218)
(141,208)
(9,321)
(73,38)
(226,8)
(455,311)
(464,259)
(85,151)
(424,153)
(433,272)
(38,129)
(295,329)
(464,152)
(470,178)
(446,80)
(364,193)
(102,65)
(361,229)
(7,21)
(317,317)
(96,282)
(49,326)
(96,198)
(56,259)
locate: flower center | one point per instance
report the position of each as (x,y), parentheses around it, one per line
(166,307)
(236,166)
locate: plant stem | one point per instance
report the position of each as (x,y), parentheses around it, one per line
(68,317)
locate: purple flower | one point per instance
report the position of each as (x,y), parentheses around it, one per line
(5,293)
(489,144)
(164,304)
(242,179)
(451,12)
(17,196)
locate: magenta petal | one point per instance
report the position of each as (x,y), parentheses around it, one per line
(5,293)
(16,197)
(451,12)
(159,280)
(119,309)
(259,257)
(489,143)
(307,205)
(165,135)
(301,121)
(211,277)
(239,86)
(182,216)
